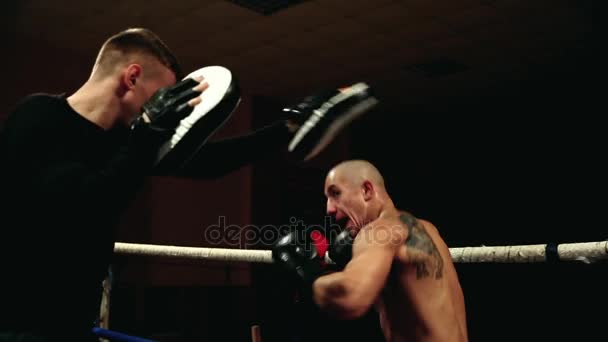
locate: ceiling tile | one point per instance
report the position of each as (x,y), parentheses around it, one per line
(438,7)
(390,18)
(304,42)
(473,18)
(328,41)
(341,8)
(303,17)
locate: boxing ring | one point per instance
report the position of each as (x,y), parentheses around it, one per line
(585,252)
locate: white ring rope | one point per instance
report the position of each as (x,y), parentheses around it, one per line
(201,253)
(584,251)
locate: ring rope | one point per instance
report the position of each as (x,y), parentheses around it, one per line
(586,252)
(200,253)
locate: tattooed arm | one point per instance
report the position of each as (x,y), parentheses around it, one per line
(420,250)
(349,294)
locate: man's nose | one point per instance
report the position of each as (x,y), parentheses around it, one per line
(331,208)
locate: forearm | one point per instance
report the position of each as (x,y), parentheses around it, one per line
(336,295)
(219,158)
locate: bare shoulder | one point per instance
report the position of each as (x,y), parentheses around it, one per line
(428,224)
(412,222)
(422,246)
(430,229)
(386,233)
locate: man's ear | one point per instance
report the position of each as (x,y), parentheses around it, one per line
(368,190)
(131,75)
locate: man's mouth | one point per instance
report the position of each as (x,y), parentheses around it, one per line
(343,222)
(346,223)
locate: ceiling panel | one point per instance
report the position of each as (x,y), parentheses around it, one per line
(439,7)
(472,18)
(325,42)
(341,8)
(391,18)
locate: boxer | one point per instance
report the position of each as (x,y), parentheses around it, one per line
(387,258)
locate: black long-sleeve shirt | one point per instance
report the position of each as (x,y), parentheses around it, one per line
(64,183)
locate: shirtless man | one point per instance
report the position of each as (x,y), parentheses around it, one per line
(388,259)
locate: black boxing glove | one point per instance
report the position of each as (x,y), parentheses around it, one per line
(341,249)
(301,254)
(166,108)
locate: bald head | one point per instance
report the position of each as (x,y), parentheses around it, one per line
(355,191)
(355,172)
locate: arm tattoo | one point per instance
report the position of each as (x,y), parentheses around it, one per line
(421,249)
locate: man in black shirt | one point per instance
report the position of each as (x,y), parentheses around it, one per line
(69,167)
(71,164)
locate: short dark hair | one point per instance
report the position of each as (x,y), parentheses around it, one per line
(137,40)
